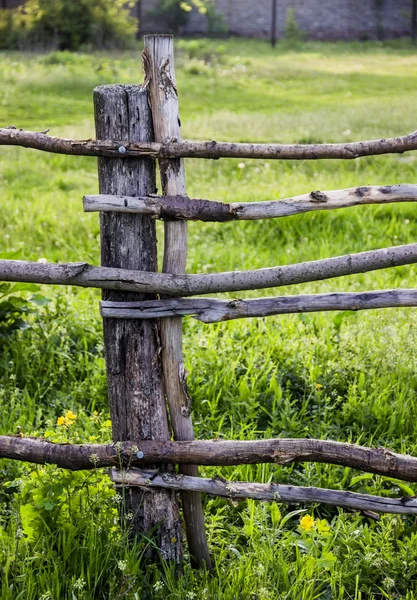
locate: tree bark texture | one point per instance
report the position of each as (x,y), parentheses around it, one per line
(141,453)
(158,60)
(210,149)
(134,374)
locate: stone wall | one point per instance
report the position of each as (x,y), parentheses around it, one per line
(320,19)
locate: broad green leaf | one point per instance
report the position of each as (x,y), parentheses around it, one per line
(40,300)
(29,517)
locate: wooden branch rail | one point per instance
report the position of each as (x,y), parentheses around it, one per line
(183,208)
(210,310)
(236,490)
(210,149)
(84,275)
(381,461)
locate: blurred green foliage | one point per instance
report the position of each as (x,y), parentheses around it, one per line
(68,25)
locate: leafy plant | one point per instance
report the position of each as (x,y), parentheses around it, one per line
(175,13)
(13,307)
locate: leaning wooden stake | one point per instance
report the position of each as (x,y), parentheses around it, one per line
(134,373)
(158,58)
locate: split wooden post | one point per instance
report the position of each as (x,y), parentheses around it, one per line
(158,58)
(134,372)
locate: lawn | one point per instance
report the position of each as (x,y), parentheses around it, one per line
(348,377)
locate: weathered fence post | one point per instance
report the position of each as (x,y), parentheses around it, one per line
(134,372)
(158,58)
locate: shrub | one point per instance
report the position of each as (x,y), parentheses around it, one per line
(173,14)
(68,25)
(292,34)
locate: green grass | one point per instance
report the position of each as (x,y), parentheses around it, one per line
(343,377)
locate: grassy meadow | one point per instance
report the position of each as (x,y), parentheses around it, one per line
(348,377)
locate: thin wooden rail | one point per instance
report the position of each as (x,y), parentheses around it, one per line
(209,149)
(183,208)
(85,275)
(136,453)
(210,310)
(272,492)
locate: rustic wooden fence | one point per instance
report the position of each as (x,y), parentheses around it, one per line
(143,332)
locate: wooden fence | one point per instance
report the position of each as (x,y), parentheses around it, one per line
(142,309)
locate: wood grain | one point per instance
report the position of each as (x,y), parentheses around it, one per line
(272,492)
(211,310)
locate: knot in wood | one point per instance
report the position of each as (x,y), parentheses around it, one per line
(318,196)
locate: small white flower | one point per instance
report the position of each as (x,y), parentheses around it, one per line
(158,586)
(122,564)
(79,584)
(42,260)
(388,582)
(347,132)
(241,165)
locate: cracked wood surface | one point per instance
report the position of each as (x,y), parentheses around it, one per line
(211,310)
(134,373)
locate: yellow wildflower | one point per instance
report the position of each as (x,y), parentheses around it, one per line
(107,423)
(319,386)
(70,415)
(307,522)
(60,421)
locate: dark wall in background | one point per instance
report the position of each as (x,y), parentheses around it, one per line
(320,19)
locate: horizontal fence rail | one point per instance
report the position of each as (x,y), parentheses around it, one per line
(210,310)
(381,461)
(84,275)
(183,208)
(237,490)
(212,149)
